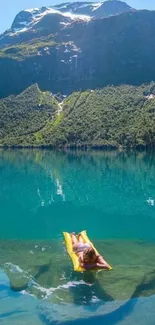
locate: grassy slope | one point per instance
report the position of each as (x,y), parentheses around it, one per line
(27,49)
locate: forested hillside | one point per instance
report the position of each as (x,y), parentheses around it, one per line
(23,115)
(122,116)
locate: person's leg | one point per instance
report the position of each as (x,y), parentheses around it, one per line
(74,239)
(80,239)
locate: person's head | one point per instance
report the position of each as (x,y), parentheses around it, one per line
(89,255)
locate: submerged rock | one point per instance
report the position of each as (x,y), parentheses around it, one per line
(44,270)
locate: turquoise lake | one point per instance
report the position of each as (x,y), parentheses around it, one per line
(109,194)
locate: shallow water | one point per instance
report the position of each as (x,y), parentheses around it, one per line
(110,194)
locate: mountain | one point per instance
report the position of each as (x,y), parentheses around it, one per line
(64,51)
(114,117)
(52,18)
(62,54)
(57,64)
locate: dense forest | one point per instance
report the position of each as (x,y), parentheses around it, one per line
(116,117)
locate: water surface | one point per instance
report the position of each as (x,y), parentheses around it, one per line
(109,194)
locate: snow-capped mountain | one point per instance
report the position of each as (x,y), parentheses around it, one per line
(77,45)
(66,13)
(30,18)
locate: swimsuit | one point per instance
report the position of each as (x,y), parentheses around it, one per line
(81,247)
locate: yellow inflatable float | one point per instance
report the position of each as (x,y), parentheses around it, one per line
(73,255)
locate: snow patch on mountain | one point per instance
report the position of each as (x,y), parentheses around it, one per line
(63,6)
(38,14)
(31,10)
(25,23)
(20,30)
(76,16)
(96,5)
(38,17)
(84,5)
(17,31)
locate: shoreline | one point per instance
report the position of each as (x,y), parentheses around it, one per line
(82,147)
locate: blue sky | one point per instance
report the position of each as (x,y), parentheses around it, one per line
(8,11)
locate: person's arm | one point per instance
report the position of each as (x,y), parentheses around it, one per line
(103,266)
(102,263)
